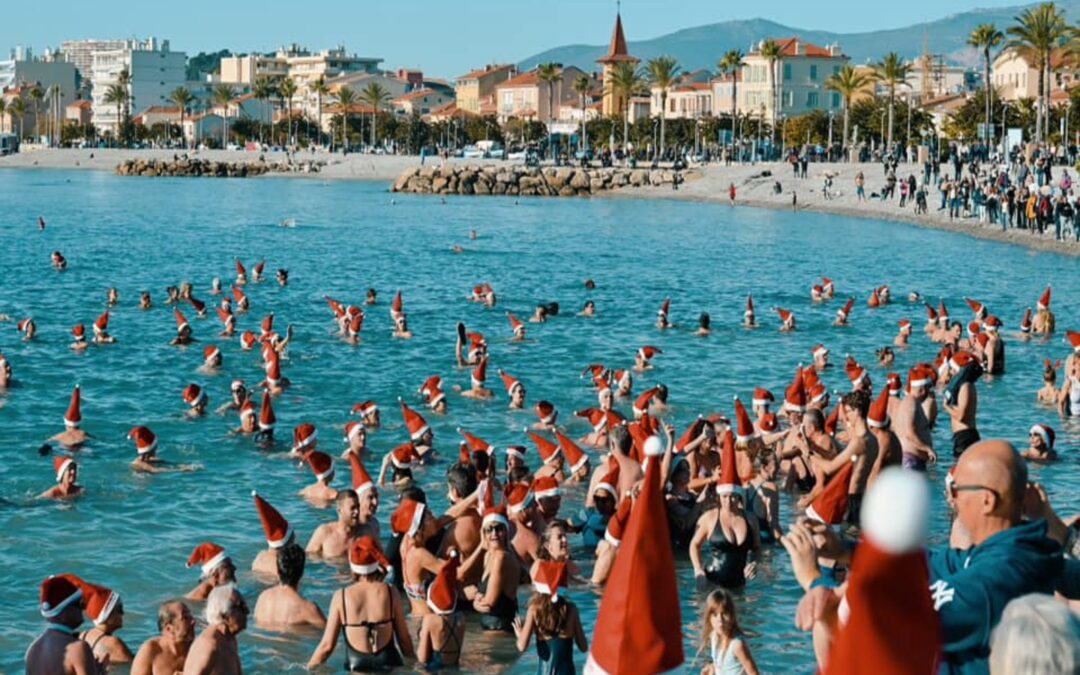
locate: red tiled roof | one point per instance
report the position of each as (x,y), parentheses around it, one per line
(793,47)
(413,95)
(523,80)
(693,86)
(84,104)
(480,72)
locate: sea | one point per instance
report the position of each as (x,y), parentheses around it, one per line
(134,532)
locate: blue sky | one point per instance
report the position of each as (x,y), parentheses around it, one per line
(444,38)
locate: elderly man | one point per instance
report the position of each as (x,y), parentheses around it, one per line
(59,650)
(166,653)
(215,651)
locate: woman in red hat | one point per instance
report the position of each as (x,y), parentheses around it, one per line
(495,598)
(555,621)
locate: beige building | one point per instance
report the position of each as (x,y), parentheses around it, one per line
(79,112)
(1014,77)
(526,96)
(689,100)
(303,66)
(420,102)
(613,102)
(721,92)
(479,85)
(800,76)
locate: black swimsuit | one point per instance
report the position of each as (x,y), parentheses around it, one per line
(502,614)
(727,560)
(381,660)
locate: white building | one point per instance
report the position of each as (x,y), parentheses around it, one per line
(155,73)
(80,53)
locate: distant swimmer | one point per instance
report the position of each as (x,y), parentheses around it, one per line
(5,373)
(101,330)
(588,310)
(145,301)
(183,330)
(196,399)
(211,360)
(146,458)
(67,473)
(41,224)
(79,333)
(283,277)
(28,329)
(320,493)
(477,380)
(112,297)
(72,436)
(59,261)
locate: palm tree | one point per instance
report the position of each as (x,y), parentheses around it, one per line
(892,72)
(288,90)
(581,86)
(770,51)
(37,95)
(1037,32)
(264,89)
(221,98)
(56,97)
(124,81)
(3,109)
(626,80)
(663,73)
(117,95)
(733,62)
(549,74)
(17,109)
(847,82)
(376,96)
(986,37)
(182,97)
(346,98)
(319,88)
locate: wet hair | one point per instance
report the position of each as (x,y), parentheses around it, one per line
(519,474)
(661,393)
(542,310)
(590,303)
(342,495)
(414,493)
(290,564)
(620,440)
(1050,374)
(857,400)
(590,284)
(550,617)
(1036,634)
(553,308)
(371,292)
(167,613)
(462,478)
(815,417)
(956,325)
(883,352)
(762,458)
(705,320)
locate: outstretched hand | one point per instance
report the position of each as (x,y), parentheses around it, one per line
(799,544)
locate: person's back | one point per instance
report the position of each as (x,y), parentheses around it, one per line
(283,606)
(58,653)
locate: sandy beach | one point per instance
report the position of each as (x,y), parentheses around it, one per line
(706,184)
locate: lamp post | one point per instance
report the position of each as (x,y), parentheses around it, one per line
(829,151)
(1004,121)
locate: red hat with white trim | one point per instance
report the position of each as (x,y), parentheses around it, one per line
(207,556)
(335,306)
(199,305)
(749,311)
(616,526)
(476,444)
(492,513)
(546,412)
(855,372)
(240,295)
(404,456)
(278,530)
(145,439)
(638,628)
(832,420)
(194,395)
(574,455)
(322,465)
(596,418)
(744,426)
(762,396)
(247,408)
(826,283)
(816,290)
(355,325)
(609,483)
(79,332)
(548,451)
(273,368)
(361,479)
(894,384)
(510,382)
(62,464)
(479,373)
(181,321)
(891,621)
(99,602)
(875,299)
(729,474)
(414,422)
(247,340)
(364,408)
(960,360)
(240,271)
(210,352)
(622,378)
(819,350)
(905,325)
(931,313)
(845,311)
(353,429)
(691,434)
(665,308)
(515,324)
(304,435)
(648,352)
(267,325)
(436,397)
(878,414)
(259,266)
(545,487)
(817,394)
(768,423)
(442,594)
(102,323)
(831,505)
(786,316)
(516,451)
(366,557)
(1044,300)
(974,328)
(1074,339)
(397,306)
(641,404)
(794,395)
(977,307)
(267,419)
(73,416)
(549,578)
(1046,433)
(24,325)
(407,518)
(918,377)
(519,498)
(57,593)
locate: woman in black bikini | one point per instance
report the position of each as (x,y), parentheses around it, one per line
(369,614)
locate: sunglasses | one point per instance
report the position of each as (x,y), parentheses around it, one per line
(955,489)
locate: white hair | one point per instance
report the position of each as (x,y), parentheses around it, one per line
(1036,634)
(220,602)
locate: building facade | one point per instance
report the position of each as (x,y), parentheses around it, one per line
(479,85)
(614,101)
(420,102)
(526,96)
(1014,77)
(800,74)
(155,73)
(80,53)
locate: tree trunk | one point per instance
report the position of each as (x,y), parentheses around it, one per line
(663,123)
(847,105)
(734,115)
(989,97)
(772,95)
(892,104)
(1039,104)
(626,130)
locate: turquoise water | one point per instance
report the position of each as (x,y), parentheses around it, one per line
(134,532)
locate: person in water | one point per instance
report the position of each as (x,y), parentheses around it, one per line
(1041,448)
(67,473)
(216,650)
(58,649)
(106,611)
(442,631)
(495,598)
(723,637)
(554,620)
(167,652)
(281,607)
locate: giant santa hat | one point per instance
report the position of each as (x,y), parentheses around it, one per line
(891,628)
(638,627)
(277,529)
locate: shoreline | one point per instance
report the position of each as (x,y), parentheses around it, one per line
(704,184)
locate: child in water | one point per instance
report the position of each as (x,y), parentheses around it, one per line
(721,635)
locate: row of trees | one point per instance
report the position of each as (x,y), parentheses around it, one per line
(33,99)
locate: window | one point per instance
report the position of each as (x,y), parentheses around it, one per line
(835,100)
(787,72)
(812,99)
(813,72)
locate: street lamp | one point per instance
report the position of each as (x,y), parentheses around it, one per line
(830,134)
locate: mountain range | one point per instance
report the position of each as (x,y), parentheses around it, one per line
(702,46)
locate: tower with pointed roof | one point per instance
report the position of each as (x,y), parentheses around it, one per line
(617,53)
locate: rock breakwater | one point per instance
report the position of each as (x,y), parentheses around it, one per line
(459,179)
(208,168)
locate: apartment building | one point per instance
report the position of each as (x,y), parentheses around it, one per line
(155,73)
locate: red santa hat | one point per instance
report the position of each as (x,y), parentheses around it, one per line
(810,378)
(194,395)
(99,602)
(855,372)
(960,360)
(437,396)
(786,316)
(845,311)
(832,420)
(102,323)
(831,505)
(729,474)
(549,578)
(749,312)
(622,378)
(199,305)
(918,377)
(768,423)
(875,299)
(1044,300)
(397,306)
(145,440)
(596,418)
(519,498)
(210,352)
(304,435)
(648,352)
(638,628)
(247,340)
(240,271)
(181,322)
(744,427)
(476,444)
(515,324)
(25,324)
(891,621)
(794,395)
(826,283)
(641,404)
(894,384)
(931,313)
(546,412)
(509,381)
(616,526)
(1046,433)
(73,416)
(267,419)
(545,487)
(247,408)
(609,483)
(364,408)
(977,307)
(366,557)
(547,450)
(322,465)
(665,308)
(816,290)
(240,295)
(516,451)
(61,465)
(1074,339)
(278,530)
(335,306)
(273,368)
(226,316)
(575,456)
(443,592)
(259,266)
(973,328)
(817,394)
(479,373)
(991,324)
(355,324)
(79,332)
(819,350)
(905,325)
(762,396)
(207,556)
(361,479)
(407,518)
(943,312)
(414,422)
(691,434)
(57,593)
(353,429)
(267,325)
